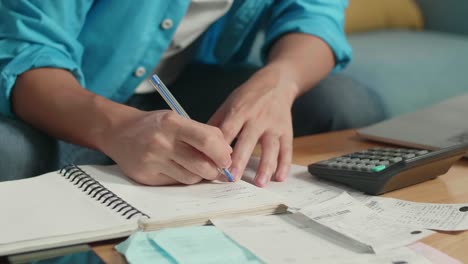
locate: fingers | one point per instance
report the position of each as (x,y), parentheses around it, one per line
(153,178)
(268,161)
(231,128)
(284,158)
(207,139)
(217,118)
(195,161)
(181,174)
(245,144)
(172,173)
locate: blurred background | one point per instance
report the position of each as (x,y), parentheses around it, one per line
(411,53)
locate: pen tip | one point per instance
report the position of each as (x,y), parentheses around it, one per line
(228,175)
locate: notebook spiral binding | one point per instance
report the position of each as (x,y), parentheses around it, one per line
(97,191)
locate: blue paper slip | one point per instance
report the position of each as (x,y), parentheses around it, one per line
(199,244)
(139,249)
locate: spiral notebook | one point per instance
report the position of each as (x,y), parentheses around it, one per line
(90,203)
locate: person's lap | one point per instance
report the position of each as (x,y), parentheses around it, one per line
(338,102)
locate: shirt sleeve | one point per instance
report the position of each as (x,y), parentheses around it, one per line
(37,34)
(321,18)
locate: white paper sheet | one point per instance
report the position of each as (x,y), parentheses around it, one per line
(351,218)
(447,217)
(301,188)
(293,238)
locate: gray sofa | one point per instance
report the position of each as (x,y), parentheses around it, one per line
(413,69)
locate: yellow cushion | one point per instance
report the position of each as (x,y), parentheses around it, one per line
(367,15)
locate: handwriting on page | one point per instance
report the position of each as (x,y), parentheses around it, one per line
(215,194)
(447,217)
(349,217)
(183,202)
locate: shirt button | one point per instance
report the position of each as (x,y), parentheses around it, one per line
(140,71)
(167,23)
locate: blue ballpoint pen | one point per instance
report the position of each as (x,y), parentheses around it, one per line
(175,106)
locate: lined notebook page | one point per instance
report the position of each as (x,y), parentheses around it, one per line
(184,201)
(50,206)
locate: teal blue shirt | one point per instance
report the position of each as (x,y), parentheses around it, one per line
(103,42)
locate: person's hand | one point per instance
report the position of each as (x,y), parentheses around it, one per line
(259,111)
(162,148)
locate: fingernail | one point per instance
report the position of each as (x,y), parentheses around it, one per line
(282,175)
(262,180)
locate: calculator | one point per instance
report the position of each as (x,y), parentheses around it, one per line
(379,170)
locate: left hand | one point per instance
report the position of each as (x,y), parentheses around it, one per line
(259,111)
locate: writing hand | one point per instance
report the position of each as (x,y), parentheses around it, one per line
(162,148)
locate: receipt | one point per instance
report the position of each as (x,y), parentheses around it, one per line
(447,217)
(294,238)
(351,218)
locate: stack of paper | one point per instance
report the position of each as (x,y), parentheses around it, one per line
(327,223)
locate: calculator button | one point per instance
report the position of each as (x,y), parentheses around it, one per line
(361,167)
(396,159)
(422,152)
(413,150)
(378,168)
(347,166)
(409,156)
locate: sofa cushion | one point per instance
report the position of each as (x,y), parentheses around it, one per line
(410,70)
(368,15)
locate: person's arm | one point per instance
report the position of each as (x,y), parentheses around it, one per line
(53,101)
(305,59)
(41,82)
(304,40)
(155,148)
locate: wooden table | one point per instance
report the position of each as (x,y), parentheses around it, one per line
(449,188)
